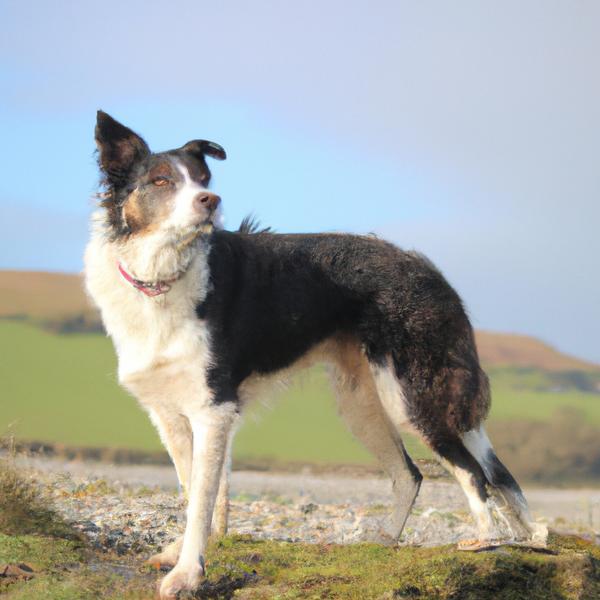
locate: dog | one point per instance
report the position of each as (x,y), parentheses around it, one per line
(203,318)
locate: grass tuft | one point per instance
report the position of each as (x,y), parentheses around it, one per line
(23,510)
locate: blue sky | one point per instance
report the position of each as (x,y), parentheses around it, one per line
(468,130)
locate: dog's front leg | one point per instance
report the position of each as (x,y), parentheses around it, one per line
(211,428)
(176,434)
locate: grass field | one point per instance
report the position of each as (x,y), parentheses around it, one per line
(63,389)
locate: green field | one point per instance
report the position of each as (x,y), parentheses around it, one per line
(62,388)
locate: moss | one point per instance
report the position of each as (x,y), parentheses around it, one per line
(242,568)
(370,571)
(42,553)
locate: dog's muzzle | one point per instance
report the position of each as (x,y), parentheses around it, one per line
(206,201)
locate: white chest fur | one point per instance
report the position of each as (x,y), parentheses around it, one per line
(162,347)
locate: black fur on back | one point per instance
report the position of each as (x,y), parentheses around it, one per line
(274,296)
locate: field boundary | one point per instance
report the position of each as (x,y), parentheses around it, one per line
(123,456)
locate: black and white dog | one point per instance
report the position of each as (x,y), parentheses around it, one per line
(201,318)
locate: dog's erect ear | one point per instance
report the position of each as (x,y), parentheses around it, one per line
(119,147)
(202,148)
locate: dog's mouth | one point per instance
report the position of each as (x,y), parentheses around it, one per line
(186,239)
(206,227)
(209,223)
(209,219)
(201,223)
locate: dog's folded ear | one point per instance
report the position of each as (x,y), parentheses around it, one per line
(119,148)
(202,148)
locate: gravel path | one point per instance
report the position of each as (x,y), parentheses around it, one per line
(138,508)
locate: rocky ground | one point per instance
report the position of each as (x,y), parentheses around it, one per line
(128,513)
(138,508)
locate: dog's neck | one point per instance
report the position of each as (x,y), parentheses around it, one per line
(162,286)
(148,288)
(161,256)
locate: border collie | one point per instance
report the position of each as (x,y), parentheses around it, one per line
(201,318)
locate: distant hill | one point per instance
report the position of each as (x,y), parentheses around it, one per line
(505,349)
(42,295)
(55,297)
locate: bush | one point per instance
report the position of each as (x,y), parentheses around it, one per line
(564,449)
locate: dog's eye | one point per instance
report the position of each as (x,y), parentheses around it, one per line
(161,181)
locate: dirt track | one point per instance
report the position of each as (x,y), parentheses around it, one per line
(138,505)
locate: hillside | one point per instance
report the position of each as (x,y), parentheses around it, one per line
(53,297)
(41,295)
(505,349)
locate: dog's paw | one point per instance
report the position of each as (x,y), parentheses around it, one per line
(477,545)
(539,534)
(376,531)
(181,579)
(168,557)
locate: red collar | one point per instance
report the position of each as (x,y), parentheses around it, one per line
(150,288)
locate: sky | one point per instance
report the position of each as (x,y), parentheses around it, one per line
(469,130)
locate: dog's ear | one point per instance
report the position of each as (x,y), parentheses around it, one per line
(202,148)
(119,148)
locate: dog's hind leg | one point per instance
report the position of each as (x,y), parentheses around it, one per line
(361,408)
(510,500)
(453,454)
(220,517)
(456,458)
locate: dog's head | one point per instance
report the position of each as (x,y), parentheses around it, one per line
(148,193)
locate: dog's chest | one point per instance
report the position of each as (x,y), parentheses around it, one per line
(167,364)
(163,348)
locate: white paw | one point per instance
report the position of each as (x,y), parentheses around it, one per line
(539,533)
(477,544)
(181,579)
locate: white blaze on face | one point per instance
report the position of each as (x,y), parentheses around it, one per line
(184,214)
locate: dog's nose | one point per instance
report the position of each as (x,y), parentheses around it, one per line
(207,201)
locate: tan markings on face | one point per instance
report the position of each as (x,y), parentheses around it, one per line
(132,211)
(143,212)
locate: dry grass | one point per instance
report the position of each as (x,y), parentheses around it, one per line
(23,509)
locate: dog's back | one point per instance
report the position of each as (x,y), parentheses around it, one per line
(274,297)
